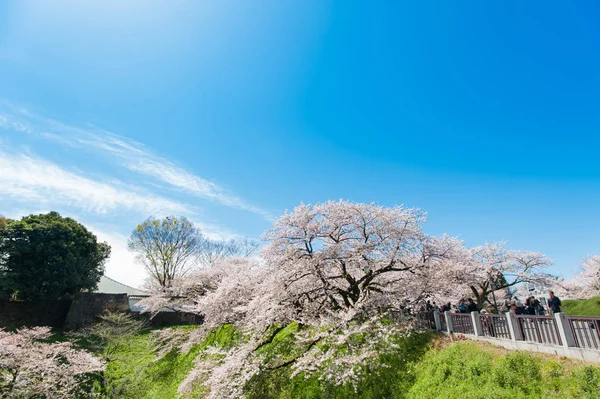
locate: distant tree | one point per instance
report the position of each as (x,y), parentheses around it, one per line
(4,222)
(49,257)
(491,268)
(584,284)
(3,275)
(213,251)
(167,248)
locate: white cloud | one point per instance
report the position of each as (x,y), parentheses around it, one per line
(128,153)
(121,265)
(43,183)
(31,184)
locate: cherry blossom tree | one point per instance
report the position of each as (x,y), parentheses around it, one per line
(491,268)
(31,367)
(589,276)
(585,284)
(336,255)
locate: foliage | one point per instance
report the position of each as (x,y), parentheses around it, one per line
(136,371)
(49,257)
(111,332)
(469,370)
(166,247)
(141,368)
(389,376)
(4,222)
(31,366)
(163,364)
(581,307)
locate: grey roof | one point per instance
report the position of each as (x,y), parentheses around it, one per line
(109,286)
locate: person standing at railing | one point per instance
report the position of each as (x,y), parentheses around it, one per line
(429,306)
(506,305)
(533,307)
(462,306)
(519,305)
(539,308)
(471,306)
(446,308)
(554,303)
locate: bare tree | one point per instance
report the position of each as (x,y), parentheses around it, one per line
(167,247)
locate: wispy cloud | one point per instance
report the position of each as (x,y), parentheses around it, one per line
(128,153)
(36,180)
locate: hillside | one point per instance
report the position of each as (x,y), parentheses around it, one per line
(582,307)
(150,365)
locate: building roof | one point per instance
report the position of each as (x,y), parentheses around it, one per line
(109,286)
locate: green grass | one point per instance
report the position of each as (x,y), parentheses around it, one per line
(423,367)
(134,370)
(391,379)
(463,370)
(586,307)
(470,370)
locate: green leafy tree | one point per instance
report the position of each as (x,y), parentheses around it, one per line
(167,247)
(49,257)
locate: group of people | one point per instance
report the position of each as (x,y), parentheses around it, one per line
(532,306)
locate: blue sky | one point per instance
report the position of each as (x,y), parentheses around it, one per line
(485,114)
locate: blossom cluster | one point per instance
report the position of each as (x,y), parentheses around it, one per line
(30,366)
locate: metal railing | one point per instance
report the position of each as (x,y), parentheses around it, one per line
(585,330)
(443,324)
(421,320)
(462,323)
(539,329)
(495,326)
(425,320)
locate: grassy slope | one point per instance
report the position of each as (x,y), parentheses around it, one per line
(586,307)
(434,369)
(134,371)
(423,368)
(385,382)
(471,370)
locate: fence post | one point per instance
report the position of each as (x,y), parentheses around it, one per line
(476,324)
(513,327)
(436,319)
(448,321)
(564,330)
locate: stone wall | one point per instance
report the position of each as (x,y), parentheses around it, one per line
(14,314)
(86,308)
(83,309)
(165,319)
